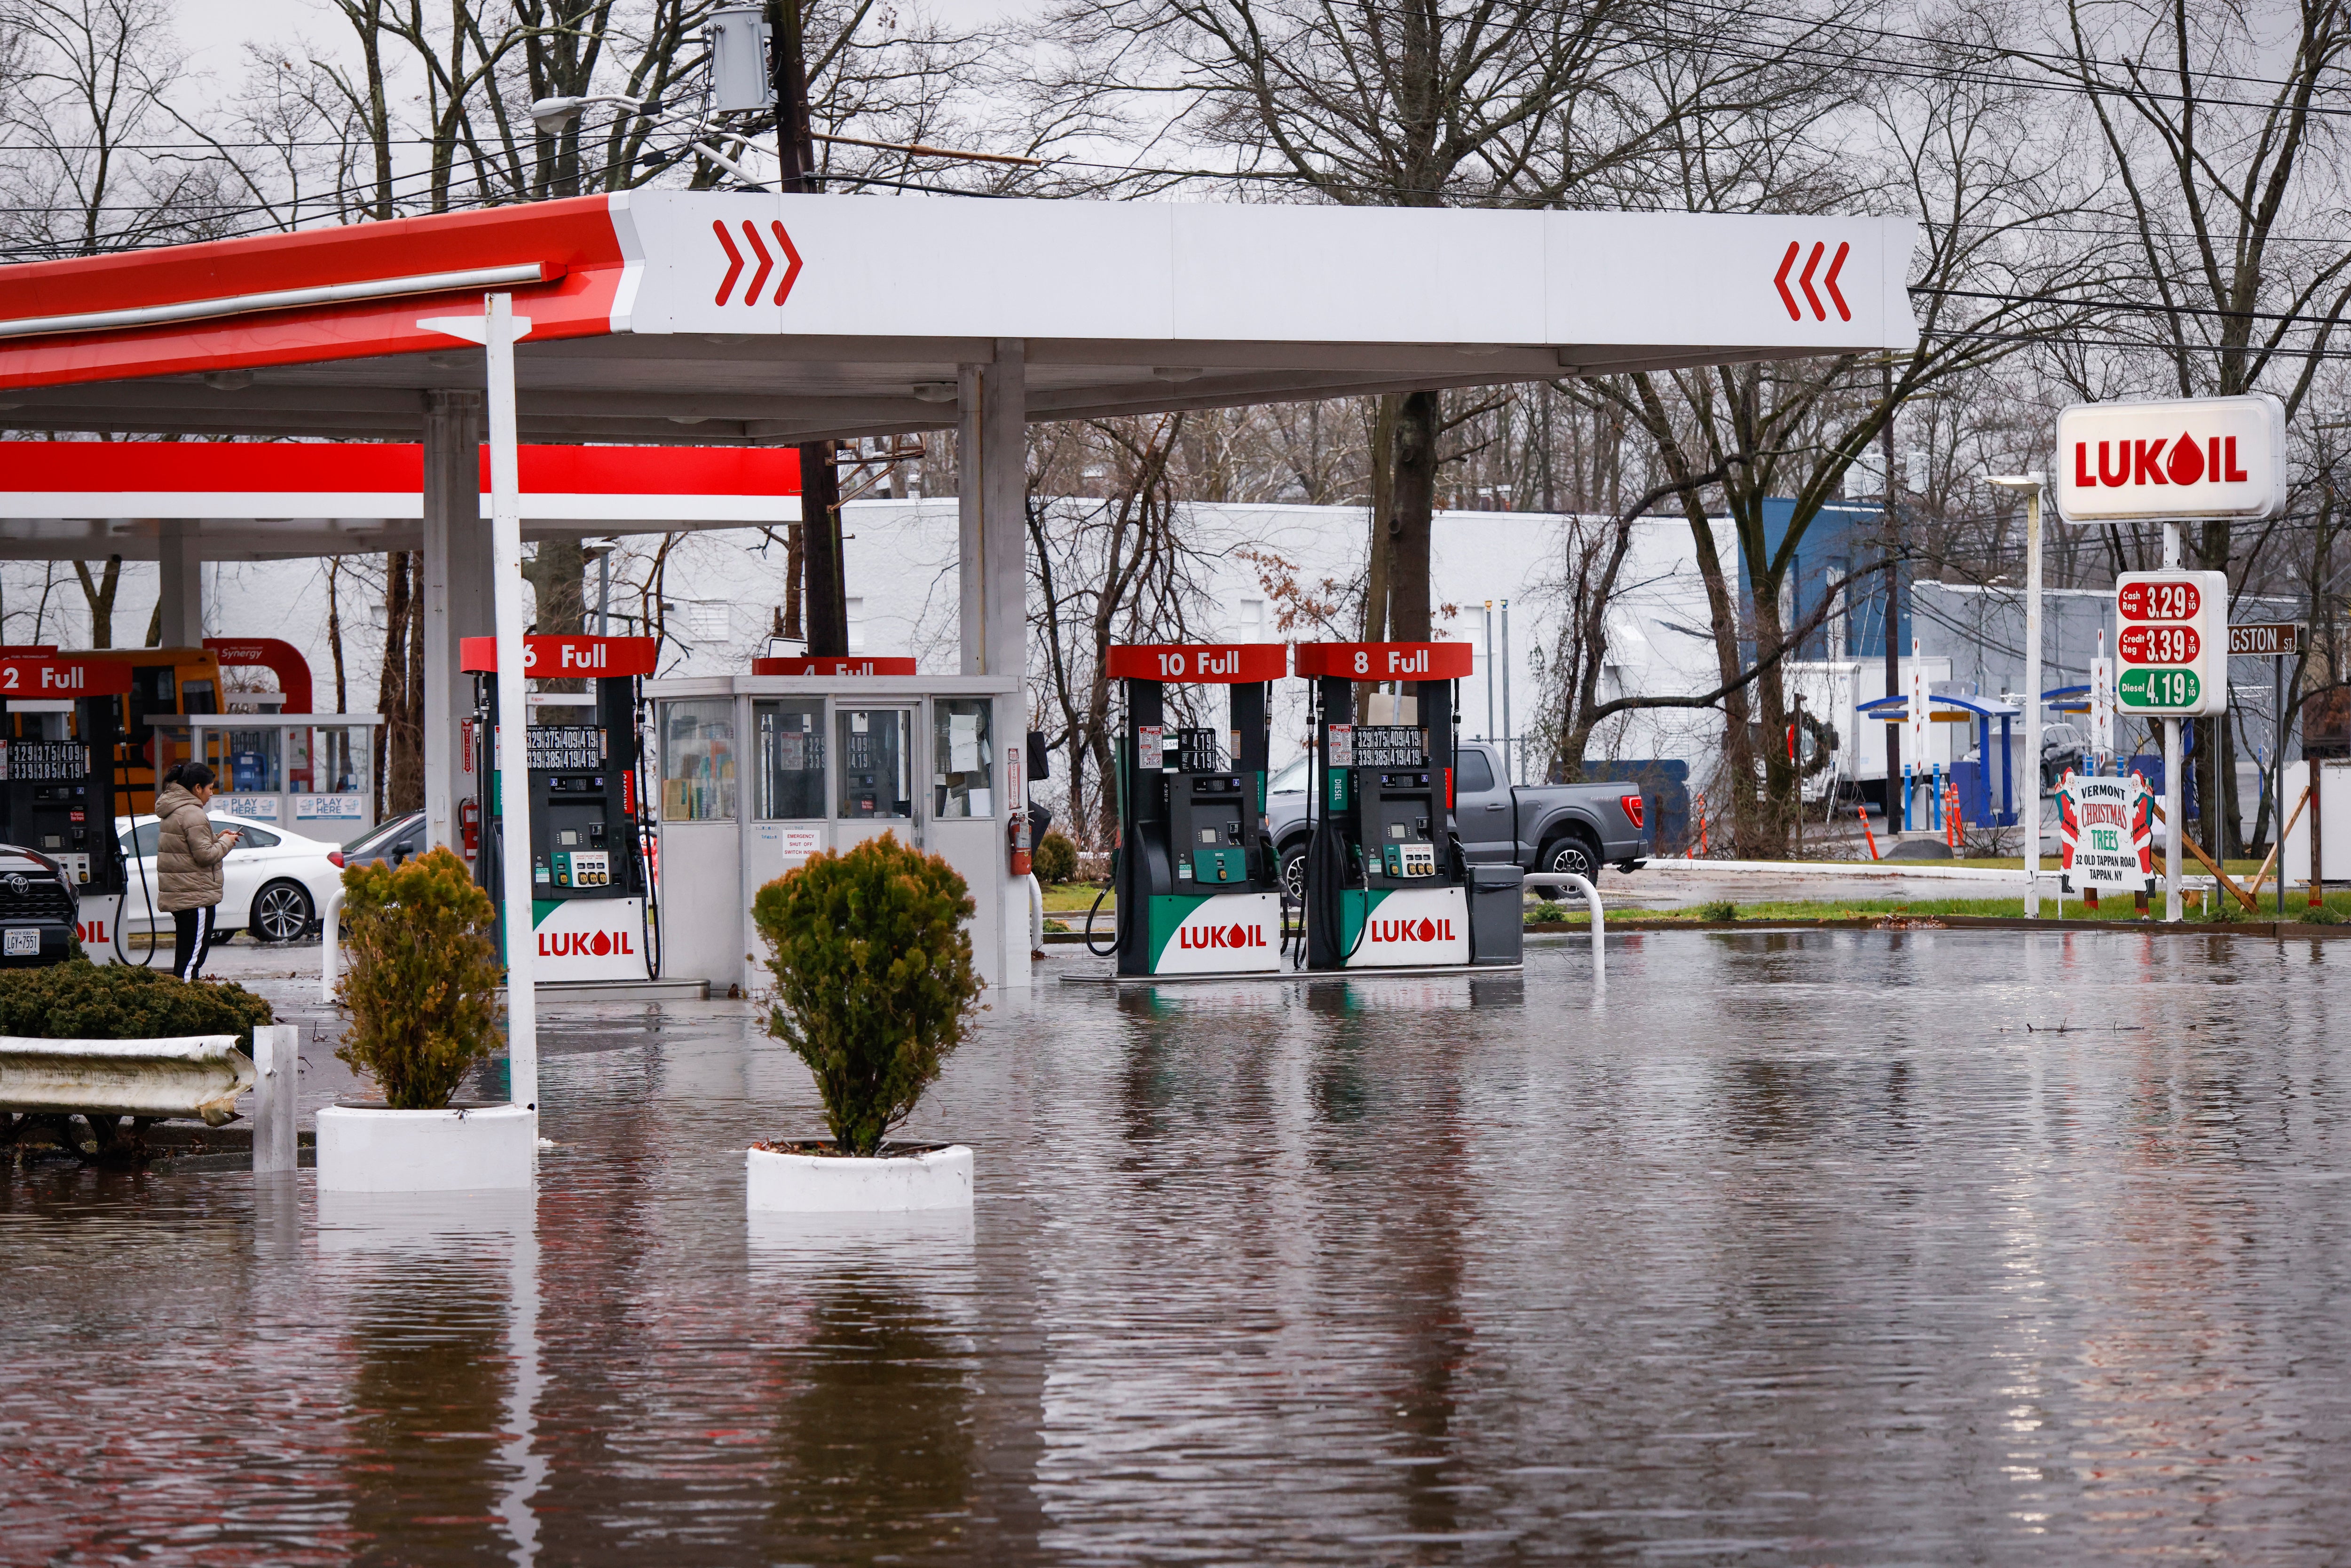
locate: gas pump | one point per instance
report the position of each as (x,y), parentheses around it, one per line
(58,765)
(593,909)
(1197,882)
(1385,882)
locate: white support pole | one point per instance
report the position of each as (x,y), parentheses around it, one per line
(2032,703)
(455,584)
(497,329)
(513,801)
(181,581)
(1004,600)
(1599,928)
(2175,809)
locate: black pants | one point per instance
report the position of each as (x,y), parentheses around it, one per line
(191,933)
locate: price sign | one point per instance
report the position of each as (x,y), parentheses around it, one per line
(2174,644)
(2159,598)
(2143,691)
(2159,645)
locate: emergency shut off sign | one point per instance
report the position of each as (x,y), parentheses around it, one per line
(2106,834)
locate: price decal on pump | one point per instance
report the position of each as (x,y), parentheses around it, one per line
(2159,645)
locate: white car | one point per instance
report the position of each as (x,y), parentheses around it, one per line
(273,883)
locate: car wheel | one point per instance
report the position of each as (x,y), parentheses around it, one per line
(1293,873)
(281,913)
(1569,854)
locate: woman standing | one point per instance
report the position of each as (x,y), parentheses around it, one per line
(188,856)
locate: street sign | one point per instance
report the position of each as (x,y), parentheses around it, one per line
(2265,640)
(2106,834)
(2190,457)
(2172,649)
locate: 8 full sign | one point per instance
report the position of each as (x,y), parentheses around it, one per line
(2174,644)
(2192,458)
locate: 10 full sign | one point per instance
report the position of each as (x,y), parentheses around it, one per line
(2173,644)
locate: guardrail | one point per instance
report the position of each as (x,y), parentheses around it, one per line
(147,1080)
(330,926)
(1599,934)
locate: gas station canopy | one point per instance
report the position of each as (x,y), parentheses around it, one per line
(723,317)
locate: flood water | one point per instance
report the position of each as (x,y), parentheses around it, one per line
(1792,1249)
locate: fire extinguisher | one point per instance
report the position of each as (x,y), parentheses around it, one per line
(1016,838)
(469,827)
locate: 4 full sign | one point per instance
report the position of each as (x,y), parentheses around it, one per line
(2173,646)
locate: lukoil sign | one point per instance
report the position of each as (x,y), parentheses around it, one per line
(2192,458)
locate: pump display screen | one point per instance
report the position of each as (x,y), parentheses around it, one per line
(29,760)
(1390,747)
(554,746)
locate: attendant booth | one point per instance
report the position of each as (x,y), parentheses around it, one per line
(758,772)
(309,773)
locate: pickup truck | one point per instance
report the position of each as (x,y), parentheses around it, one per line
(1540,827)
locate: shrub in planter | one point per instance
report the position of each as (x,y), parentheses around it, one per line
(422,979)
(1055,858)
(81,1001)
(875,984)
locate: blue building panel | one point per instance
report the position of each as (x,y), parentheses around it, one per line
(1843,535)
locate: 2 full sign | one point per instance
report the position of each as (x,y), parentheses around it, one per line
(2173,645)
(2193,458)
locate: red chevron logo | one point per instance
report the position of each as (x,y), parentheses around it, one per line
(735,262)
(1804,281)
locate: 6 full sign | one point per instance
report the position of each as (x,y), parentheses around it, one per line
(2174,644)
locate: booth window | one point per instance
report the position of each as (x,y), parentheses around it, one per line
(877,777)
(330,760)
(698,760)
(246,761)
(963,757)
(789,783)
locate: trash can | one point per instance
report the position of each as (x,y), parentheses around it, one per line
(1497,919)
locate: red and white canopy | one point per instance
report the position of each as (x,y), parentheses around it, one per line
(714,317)
(257,499)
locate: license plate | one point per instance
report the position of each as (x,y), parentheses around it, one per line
(22,945)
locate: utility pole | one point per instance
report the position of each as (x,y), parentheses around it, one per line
(826,596)
(1893,618)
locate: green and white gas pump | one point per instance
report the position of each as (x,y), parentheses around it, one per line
(594,912)
(1385,883)
(1197,883)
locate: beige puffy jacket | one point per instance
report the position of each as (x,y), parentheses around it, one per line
(188,853)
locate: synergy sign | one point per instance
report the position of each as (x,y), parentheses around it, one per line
(2194,458)
(2106,834)
(2173,647)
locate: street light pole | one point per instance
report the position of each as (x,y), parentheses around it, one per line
(2031,483)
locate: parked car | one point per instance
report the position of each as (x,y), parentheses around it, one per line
(390,844)
(273,883)
(1555,827)
(38,910)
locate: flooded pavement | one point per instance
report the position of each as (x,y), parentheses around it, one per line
(1797,1248)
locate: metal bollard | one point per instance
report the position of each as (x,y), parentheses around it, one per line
(277,1091)
(329,932)
(1599,934)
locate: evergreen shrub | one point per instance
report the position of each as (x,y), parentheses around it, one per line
(81,1001)
(1055,858)
(422,984)
(875,984)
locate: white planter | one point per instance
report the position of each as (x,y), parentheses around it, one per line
(779,1183)
(487,1148)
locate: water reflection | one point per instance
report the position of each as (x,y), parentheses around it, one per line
(874,1426)
(1921,1246)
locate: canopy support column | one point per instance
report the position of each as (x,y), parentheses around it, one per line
(456,601)
(181,571)
(992,505)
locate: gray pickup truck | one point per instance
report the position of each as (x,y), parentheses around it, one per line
(1541,827)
